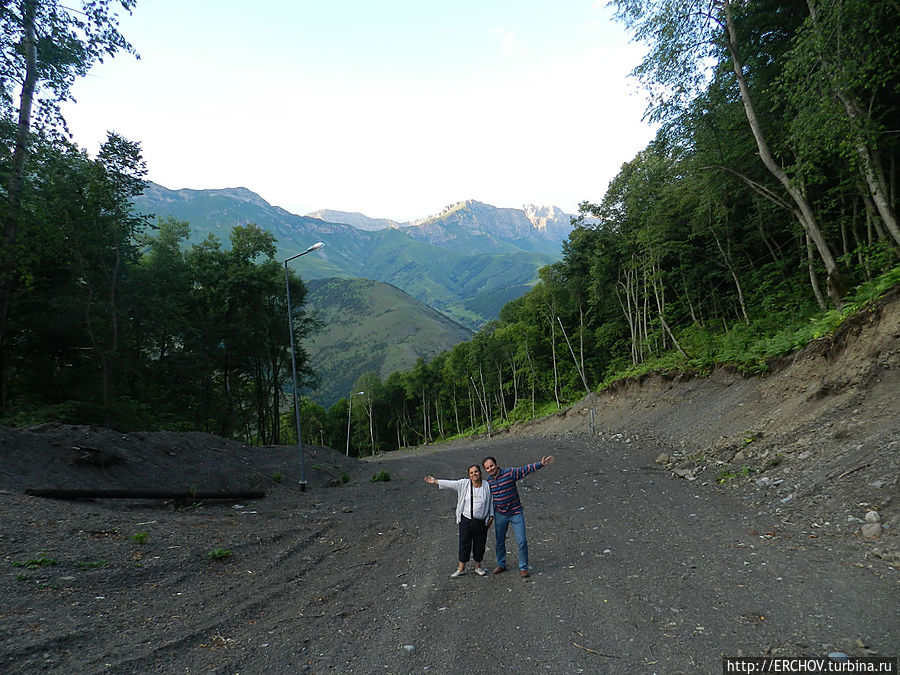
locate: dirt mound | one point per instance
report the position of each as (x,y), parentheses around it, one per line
(58,456)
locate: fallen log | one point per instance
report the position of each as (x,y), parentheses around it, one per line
(64,493)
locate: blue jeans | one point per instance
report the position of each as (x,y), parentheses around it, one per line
(501,524)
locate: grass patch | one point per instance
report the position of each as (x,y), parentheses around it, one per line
(91,565)
(36,563)
(219,554)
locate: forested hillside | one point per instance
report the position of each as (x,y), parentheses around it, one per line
(763,212)
(370,328)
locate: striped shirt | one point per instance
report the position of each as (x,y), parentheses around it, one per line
(503,488)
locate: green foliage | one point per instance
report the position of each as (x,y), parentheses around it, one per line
(381,477)
(725,476)
(345,477)
(219,554)
(36,563)
(139,537)
(91,565)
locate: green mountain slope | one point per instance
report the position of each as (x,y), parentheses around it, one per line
(464,273)
(371,326)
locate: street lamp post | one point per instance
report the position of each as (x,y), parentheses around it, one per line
(287,283)
(349,409)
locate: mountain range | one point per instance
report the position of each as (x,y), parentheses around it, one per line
(387,292)
(466,261)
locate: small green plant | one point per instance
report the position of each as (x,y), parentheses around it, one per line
(277,477)
(725,476)
(21,577)
(381,477)
(89,565)
(35,563)
(139,538)
(218,554)
(345,477)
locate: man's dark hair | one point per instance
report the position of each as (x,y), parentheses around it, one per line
(489,458)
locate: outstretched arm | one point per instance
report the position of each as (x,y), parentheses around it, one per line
(547,460)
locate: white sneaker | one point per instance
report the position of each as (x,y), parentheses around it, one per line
(457,573)
(480,571)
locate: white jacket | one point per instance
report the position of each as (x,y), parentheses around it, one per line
(462,500)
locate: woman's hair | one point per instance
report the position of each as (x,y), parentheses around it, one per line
(473,466)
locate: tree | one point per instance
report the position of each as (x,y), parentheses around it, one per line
(839,76)
(370,384)
(684,37)
(122,170)
(44,46)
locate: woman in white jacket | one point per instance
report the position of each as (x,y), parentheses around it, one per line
(474,513)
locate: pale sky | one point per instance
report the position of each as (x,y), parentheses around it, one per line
(395,109)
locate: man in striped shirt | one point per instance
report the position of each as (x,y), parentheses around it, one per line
(508,509)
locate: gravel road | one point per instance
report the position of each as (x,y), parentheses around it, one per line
(633,571)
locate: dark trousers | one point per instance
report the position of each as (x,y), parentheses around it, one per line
(472,539)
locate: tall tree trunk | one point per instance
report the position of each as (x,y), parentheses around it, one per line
(370,412)
(660,307)
(503,409)
(587,389)
(555,367)
(869,161)
(734,277)
(16,185)
(456,410)
(813,277)
(532,371)
(629,309)
(805,213)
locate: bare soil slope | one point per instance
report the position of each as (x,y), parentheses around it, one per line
(824,427)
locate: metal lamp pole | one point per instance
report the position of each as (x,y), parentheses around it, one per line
(287,283)
(349,409)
